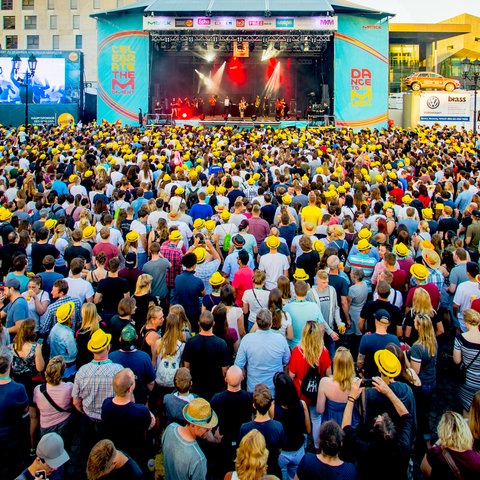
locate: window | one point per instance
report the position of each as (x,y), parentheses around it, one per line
(9,23)
(51,4)
(28,4)
(33,42)
(78,42)
(96,4)
(7,4)
(73,4)
(30,22)
(53,22)
(11,42)
(55,42)
(76,22)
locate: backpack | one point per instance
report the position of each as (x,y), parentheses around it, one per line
(342,254)
(226,241)
(69,220)
(166,368)
(309,385)
(192,198)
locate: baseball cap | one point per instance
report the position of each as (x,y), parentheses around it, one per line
(382,316)
(130,259)
(13,283)
(50,448)
(476,213)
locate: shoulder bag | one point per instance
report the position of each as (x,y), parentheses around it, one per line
(43,390)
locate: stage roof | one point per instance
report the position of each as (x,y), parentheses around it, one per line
(414,33)
(258,7)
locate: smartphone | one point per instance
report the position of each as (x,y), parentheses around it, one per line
(367,382)
(41,474)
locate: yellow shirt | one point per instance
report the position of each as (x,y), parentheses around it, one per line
(312,214)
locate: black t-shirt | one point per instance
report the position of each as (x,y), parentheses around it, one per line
(39,252)
(115,327)
(446,224)
(368,314)
(233,409)
(206,355)
(77,251)
(144,302)
(309,261)
(129,471)
(7,253)
(112,290)
(311,468)
(268,213)
(126,426)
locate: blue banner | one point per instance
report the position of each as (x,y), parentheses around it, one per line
(123,69)
(361,72)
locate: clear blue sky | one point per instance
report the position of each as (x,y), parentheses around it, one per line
(423,11)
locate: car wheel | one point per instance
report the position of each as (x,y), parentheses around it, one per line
(449,87)
(415,86)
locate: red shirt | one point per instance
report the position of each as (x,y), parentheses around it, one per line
(299,366)
(108,249)
(398,193)
(242,280)
(433,293)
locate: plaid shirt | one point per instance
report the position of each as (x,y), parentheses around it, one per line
(174,256)
(51,314)
(251,192)
(93,384)
(435,276)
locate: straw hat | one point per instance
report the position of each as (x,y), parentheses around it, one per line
(199,412)
(5,214)
(309,228)
(431,258)
(174,215)
(286,199)
(407,199)
(225,215)
(210,225)
(427,213)
(198,223)
(51,223)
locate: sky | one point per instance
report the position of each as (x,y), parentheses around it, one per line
(423,11)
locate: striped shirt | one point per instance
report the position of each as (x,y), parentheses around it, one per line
(366,263)
(93,384)
(50,318)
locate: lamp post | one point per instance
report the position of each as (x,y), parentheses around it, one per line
(471,71)
(27,75)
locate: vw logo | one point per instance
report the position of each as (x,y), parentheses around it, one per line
(433,102)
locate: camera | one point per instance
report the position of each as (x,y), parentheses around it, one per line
(367,382)
(201,238)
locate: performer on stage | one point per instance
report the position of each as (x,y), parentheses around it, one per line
(257,105)
(242,106)
(283,108)
(174,107)
(227,104)
(278,107)
(212,101)
(266,104)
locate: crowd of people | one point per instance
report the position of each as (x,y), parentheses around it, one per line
(209,303)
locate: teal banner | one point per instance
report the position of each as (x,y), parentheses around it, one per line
(123,70)
(361,78)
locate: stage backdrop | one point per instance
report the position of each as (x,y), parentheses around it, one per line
(361,72)
(54,93)
(123,63)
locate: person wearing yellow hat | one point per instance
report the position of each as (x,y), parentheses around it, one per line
(101,371)
(51,223)
(274,263)
(89,232)
(300,274)
(359,257)
(62,338)
(208,260)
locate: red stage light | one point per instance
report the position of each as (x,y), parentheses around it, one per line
(184,115)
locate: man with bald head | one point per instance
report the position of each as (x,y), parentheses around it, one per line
(233,407)
(125,422)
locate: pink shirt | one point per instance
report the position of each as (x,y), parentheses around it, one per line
(242,280)
(61,395)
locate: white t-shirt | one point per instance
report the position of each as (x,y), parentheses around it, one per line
(232,318)
(463,298)
(141,229)
(115,237)
(79,288)
(274,266)
(78,190)
(256,299)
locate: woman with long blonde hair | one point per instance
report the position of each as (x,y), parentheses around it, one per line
(423,360)
(85,220)
(167,353)
(310,353)
(60,241)
(90,324)
(421,305)
(186,327)
(333,391)
(251,459)
(145,300)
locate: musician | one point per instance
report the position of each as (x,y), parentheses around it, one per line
(212,101)
(242,106)
(278,107)
(257,105)
(266,103)
(174,107)
(227,104)
(283,108)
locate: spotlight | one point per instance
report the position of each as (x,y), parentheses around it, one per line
(251,46)
(204,45)
(228,47)
(216,45)
(178,46)
(311,46)
(302,47)
(184,115)
(264,44)
(289,45)
(276,45)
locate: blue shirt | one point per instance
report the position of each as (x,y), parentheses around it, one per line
(463,199)
(262,353)
(188,289)
(60,187)
(302,311)
(137,204)
(201,210)
(231,266)
(62,342)
(17,310)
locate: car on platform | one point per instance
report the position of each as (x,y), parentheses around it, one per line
(423,80)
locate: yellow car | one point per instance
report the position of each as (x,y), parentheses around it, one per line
(422,80)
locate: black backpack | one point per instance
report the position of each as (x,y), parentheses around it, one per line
(310,382)
(69,220)
(192,198)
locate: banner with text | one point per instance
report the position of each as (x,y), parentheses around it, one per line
(241,23)
(123,69)
(361,73)
(445,107)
